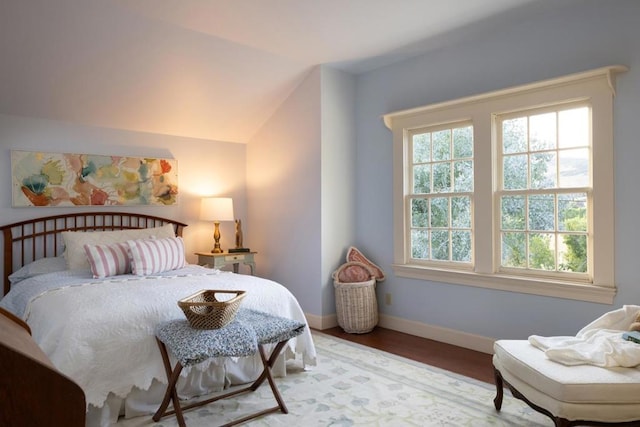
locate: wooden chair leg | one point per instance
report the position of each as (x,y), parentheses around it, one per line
(497,401)
(501,384)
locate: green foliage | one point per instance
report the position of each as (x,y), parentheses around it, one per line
(576,256)
(541,256)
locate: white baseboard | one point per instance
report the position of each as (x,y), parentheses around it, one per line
(436,333)
(321,322)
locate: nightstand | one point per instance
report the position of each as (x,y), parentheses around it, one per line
(211,260)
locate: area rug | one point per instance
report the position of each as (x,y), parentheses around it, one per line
(354,385)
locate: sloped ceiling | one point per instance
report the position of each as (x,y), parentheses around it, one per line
(213,69)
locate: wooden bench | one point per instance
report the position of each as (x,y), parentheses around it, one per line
(247,334)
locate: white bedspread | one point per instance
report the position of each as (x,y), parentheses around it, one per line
(599,343)
(102,334)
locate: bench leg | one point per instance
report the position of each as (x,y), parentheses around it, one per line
(268,364)
(170,393)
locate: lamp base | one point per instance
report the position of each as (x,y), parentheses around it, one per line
(236,250)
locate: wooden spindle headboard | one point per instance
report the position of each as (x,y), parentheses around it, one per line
(32,239)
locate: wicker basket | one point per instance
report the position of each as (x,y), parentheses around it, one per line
(356,303)
(205,311)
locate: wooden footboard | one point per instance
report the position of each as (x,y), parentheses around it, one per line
(34,392)
(29,240)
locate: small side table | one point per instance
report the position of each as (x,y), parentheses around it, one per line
(244,336)
(211,260)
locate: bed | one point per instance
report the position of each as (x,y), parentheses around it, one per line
(94,314)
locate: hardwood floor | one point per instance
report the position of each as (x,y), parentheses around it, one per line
(446,356)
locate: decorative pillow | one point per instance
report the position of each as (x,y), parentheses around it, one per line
(353,272)
(108,260)
(354,254)
(74,241)
(38,267)
(150,256)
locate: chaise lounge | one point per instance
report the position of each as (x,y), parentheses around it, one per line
(570,395)
(590,379)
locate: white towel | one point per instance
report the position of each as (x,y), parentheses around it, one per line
(599,343)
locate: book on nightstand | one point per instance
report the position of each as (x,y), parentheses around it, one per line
(238,250)
(632,336)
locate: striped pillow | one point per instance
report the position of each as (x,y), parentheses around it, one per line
(150,256)
(108,260)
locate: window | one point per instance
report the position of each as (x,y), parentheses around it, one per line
(510,190)
(442,188)
(545,192)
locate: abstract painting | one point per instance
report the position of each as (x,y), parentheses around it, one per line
(65,179)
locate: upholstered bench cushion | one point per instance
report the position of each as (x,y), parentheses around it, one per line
(572,384)
(240,337)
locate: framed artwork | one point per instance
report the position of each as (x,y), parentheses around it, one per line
(66,179)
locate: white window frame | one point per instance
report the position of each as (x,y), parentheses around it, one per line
(597,87)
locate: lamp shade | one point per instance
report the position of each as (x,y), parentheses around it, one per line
(216,209)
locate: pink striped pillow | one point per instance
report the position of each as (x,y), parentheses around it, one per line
(151,256)
(108,260)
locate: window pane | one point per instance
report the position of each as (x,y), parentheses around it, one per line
(461,246)
(442,145)
(513,212)
(422,148)
(543,170)
(573,128)
(461,212)
(514,250)
(542,251)
(440,212)
(419,213)
(542,212)
(440,245)
(572,212)
(420,244)
(442,177)
(434,170)
(574,168)
(463,142)
(422,179)
(573,253)
(542,131)
(515,172)
(514,135)
(463,176)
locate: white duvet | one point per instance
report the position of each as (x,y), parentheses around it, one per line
(101,334)
(600,343)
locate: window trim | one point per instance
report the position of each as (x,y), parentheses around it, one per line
(595,86)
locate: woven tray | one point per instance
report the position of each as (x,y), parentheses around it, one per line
(204,309)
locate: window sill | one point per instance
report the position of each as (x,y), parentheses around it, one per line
(534,286)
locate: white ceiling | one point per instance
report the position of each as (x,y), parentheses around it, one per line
(213,69)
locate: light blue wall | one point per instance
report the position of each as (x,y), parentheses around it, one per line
(283,194)
(338,154)
(300,186)
(563,38)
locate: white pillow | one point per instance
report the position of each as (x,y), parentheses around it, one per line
(37,267)
(74,241)
(108,260)
(150,256)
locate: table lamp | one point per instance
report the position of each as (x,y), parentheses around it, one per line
(216,209)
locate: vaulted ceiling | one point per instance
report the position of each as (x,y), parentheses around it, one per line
(213,69)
